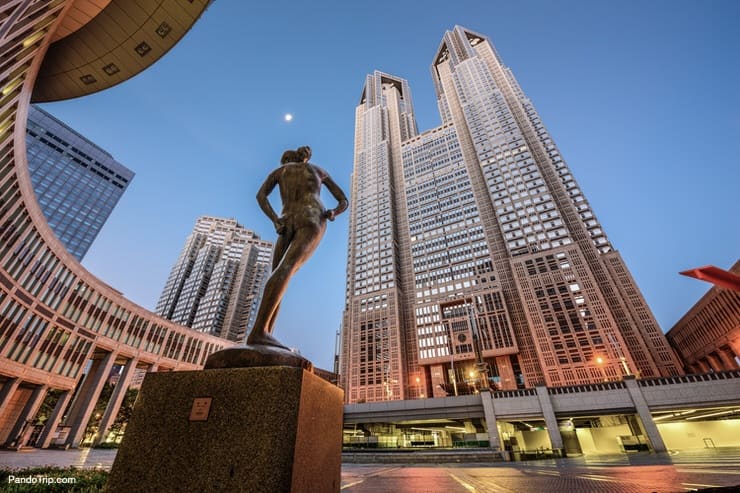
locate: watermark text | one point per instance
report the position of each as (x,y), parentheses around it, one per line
(40,479)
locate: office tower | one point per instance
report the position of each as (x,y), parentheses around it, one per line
(217,281)
(472,250)
(707,337)
(77,183)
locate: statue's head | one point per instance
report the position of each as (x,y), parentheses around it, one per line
(304,153)
(290,156)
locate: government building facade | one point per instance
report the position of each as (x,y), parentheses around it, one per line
(62,330)
(474,259)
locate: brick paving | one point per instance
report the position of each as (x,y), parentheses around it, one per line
(637,473)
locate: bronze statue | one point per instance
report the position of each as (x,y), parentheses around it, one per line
(300,228)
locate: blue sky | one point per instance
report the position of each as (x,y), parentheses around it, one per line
(641,97)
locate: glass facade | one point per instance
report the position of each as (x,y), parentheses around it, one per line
(77,183)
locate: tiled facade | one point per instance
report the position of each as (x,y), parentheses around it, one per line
(707,338)
(60,327)
(216,283)
(77,183)
(473,243)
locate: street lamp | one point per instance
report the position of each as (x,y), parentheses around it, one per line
(452,356)
(600,361)
(480,365)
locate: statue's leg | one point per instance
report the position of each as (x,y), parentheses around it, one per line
(281,246)
(262,326)
(303,244)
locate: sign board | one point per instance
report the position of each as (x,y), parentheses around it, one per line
(201,408)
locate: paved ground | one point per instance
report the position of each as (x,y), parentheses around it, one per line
(636,473)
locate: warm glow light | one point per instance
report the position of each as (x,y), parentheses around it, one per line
(599,360)
(288,117)
(714,414)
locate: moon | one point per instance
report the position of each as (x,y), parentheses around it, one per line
(288,117)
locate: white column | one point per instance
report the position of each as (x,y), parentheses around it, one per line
(494,439)
(556,440)
(643,412)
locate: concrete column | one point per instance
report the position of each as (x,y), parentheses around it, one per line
(86,398)
(703,365)
(734,345)
(643,412)
(47,434)
(553,430)
(493,437)
(30,409)
(114,405)
(727,358)
(715,362)
(6,393)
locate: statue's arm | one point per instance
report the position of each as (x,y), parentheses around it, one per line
(339,195)
(267,187)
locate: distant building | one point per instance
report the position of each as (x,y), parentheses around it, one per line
(473,251)
(77,183)
(216,284)
(707,338)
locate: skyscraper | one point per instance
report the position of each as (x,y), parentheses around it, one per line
(217,281)
(77,183)
(472,249)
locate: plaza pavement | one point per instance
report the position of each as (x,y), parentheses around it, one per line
(634,473)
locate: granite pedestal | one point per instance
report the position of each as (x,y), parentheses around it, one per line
(268,429)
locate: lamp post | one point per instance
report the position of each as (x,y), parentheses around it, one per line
(452,358)
(480,365)
(600,361)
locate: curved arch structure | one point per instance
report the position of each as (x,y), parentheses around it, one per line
(56,318)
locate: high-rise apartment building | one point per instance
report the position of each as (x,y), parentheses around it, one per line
(472,249)
(77,183)
(217,281)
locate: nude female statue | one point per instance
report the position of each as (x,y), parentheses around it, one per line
(300,228)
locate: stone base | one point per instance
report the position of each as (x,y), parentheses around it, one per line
(269,429)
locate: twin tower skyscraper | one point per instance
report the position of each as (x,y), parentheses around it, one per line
(474,258)
(473,254)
